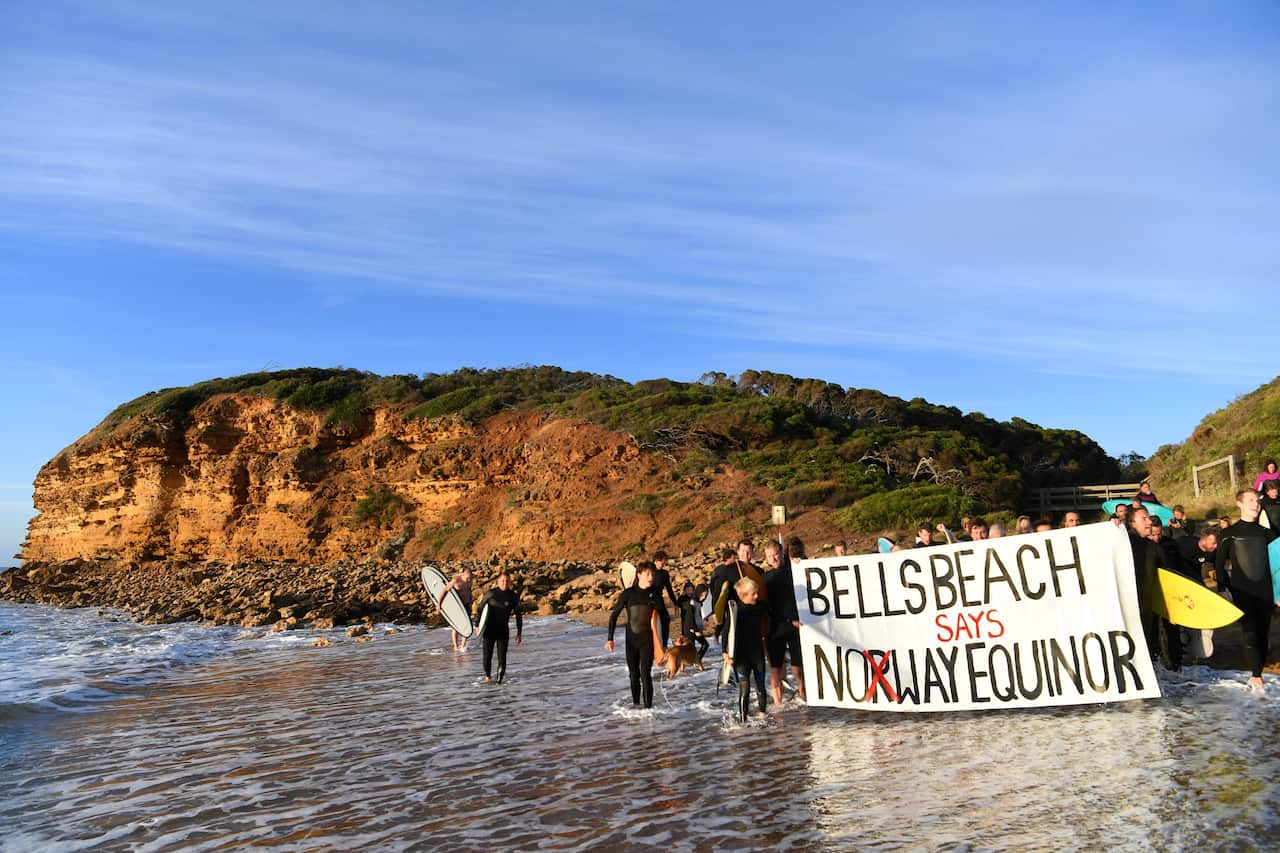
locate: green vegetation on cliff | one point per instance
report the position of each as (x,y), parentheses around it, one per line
(811,442)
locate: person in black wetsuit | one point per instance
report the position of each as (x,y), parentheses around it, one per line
(1245,543)
(1197,554)
(1269,501)
(691,620)
(784,620)
(748,658)
(725,573)
(1164,640)
(662,583)
(502,603)
(640,601)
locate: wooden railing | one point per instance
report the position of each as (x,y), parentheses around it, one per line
(1063,498)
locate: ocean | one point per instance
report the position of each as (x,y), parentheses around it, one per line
(117,736)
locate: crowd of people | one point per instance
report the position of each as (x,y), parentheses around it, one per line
(1228,556)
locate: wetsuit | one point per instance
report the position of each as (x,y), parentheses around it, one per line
(725,573)
(639,604)
(1196,564)
(689,624)
(1164,640)
(1245,545)
(662,582)
(748,654)
(502,603)
(731,573)
(1272,510)
(784,637)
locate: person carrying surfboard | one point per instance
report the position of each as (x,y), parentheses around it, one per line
(1244,544)
(501,602)
(734,566)
(640,602)
(662,583)
(462,583)
(1164,641)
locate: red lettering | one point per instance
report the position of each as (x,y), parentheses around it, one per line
(992,620)
(970,626)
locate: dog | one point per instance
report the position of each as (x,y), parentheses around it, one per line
(681,654)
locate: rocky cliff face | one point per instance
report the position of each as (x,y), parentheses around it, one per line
(247,477)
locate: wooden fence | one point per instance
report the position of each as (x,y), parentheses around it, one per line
(1063,498)
(1229,461)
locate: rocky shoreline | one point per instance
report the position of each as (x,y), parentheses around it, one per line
(285,595)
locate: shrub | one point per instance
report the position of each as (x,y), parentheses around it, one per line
(380,505)
(641,503)
(905,508)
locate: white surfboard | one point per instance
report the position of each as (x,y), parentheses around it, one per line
(627,575)
(483,620)
(451,606)
(730,643)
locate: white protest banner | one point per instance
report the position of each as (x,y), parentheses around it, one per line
(1017,622)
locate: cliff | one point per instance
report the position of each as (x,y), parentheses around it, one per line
(250,477)
(312,494)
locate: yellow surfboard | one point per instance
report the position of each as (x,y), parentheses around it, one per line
(745,570)
(1184,602)
(721,600)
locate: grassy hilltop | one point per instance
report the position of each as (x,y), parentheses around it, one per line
(879,460)
(1248,427)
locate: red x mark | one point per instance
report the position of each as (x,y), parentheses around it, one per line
(878,676)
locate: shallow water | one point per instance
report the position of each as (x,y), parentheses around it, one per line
(118,736)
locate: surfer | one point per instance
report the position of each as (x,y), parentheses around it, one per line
(721,588)
(1269,501)
(1147,558)
(1071,519)
(496,633)
(1245,543)
(748,658)
(691,618)
(662,583)
(784,633)
(462,583)
(734,566)
(640,601)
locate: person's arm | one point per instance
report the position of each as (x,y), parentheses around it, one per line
(519,620)
(1221,556)
(439,599)
(613,618)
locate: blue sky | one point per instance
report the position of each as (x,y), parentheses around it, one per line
(1063,212)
